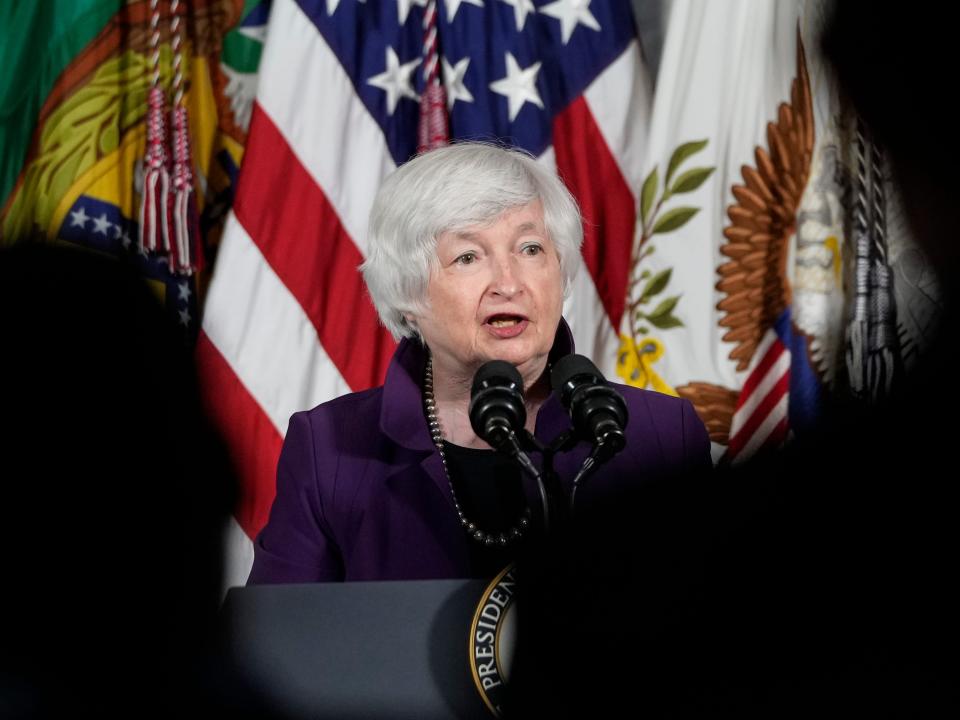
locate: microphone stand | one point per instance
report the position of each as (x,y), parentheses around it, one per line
(552,494)
(591,463)
(548,481)
(510,445)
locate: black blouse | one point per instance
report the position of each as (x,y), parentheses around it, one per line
(489,491)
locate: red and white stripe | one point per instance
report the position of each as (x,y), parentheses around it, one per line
(761,417)
(599,149)
(287,322)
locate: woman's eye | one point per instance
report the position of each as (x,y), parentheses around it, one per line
(532,249)
(466,259)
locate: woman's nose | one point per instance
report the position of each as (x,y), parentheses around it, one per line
(506,277)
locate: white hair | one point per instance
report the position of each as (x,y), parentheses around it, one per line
(448,189)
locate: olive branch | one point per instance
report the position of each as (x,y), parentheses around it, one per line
(652,222)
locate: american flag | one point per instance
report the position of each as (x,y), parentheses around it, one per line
(762,416)
(287,322)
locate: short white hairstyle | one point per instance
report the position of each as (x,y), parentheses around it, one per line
(452,188)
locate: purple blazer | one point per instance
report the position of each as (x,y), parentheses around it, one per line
(362,494)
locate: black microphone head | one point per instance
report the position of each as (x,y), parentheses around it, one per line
(598,411)
(497,411)
(496,372)
(571,371)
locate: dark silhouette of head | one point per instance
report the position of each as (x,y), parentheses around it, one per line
(114,493)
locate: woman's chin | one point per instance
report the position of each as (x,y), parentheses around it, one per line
(524,359)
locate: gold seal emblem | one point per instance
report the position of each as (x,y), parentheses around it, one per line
(492,638)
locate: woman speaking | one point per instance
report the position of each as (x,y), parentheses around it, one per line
(472,248)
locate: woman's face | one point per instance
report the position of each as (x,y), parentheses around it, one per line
(497,295)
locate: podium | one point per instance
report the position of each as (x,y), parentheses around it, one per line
(359,650)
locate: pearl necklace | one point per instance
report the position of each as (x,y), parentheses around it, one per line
(436,434)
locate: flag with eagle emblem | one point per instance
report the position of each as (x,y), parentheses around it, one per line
(744,286)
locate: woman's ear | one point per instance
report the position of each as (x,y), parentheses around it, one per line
(410,320)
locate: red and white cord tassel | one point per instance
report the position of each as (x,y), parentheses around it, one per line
(186,224)
(433,130)
(155,198)
(184,257)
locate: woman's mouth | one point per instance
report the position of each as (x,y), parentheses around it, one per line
(506,326)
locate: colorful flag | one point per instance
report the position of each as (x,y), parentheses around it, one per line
(288,323)
(73,124)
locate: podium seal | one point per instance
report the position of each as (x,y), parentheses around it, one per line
(492,638)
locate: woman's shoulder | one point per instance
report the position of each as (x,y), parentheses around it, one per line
(351,403)
(672,419)
(651,401)
(354,415)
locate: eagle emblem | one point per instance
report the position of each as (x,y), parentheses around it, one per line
(780,298)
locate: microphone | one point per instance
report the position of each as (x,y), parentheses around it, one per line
(598,412)
(498,415)
(497,412)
